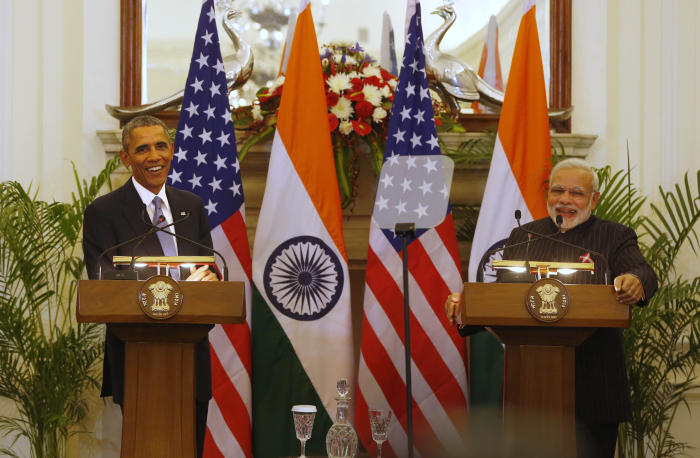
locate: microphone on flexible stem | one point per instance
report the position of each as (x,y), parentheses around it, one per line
(98,272)
(518,215)
(162,229)
(132,264)
(559,223)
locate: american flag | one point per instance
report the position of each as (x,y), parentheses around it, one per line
(206,163)
(439,357)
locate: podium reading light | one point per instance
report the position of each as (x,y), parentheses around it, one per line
(545,268)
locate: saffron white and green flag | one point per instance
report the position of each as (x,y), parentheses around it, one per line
(301,326)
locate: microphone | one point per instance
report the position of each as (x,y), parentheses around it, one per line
(527,247)
(488,253)
(162,229)
(99,266)
(559,223)
(160,220)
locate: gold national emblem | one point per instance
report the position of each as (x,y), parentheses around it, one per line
(160,297)
(547,300)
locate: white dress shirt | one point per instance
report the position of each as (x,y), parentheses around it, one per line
(147,198)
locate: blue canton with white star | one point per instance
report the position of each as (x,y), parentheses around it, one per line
(206,159)
(412,126)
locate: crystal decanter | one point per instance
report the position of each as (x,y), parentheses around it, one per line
(341,440)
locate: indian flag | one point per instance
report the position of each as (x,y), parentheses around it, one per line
(520,165)
(301,326)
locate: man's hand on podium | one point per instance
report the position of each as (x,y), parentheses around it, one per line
(453,307)
(202,274)
(628,289)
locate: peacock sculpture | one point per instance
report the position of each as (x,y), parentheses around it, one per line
(238,67)
(453,79)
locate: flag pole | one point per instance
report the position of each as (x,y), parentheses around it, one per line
(406,230)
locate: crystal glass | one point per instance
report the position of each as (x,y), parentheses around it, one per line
(379,420)
(303,424)
(341,440)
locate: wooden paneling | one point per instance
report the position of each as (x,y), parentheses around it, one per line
(159,399)
(131,11)
(560,59)
(116,301)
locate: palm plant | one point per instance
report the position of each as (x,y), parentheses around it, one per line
(662,346)
(48,362)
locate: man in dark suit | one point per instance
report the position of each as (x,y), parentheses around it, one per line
(602,389)
(117,217)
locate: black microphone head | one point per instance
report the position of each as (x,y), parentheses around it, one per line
(560,220)
(517,214)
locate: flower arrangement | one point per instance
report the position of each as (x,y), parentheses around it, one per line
(359,95)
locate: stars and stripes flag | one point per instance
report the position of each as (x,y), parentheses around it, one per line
(206,163)
(440,417)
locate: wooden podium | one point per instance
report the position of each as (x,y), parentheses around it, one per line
(159,385)
(538,402)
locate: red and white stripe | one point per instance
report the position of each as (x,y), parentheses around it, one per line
(439,384)
(229,431)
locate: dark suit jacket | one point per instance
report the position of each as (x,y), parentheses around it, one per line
(115,218)
(602,388)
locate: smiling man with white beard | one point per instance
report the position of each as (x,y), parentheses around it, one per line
(601,385)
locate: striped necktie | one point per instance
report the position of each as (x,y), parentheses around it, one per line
(167,242)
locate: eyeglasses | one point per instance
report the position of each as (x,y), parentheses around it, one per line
(575,193)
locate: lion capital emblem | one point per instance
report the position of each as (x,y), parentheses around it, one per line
(160,291)
(548,293)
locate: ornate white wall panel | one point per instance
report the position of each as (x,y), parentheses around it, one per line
(669,93)
(5,90)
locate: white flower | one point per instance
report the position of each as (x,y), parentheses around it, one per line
(372,95)
(339,82)
(343,109)
(340,43)
(349,60)
(386,92)
(345,127)
(378,114)
(353,75)
(393,84)
(256,113)
(324,62)
(372,71)
(275,84)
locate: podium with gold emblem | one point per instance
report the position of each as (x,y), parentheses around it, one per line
(540,325)
(160,320)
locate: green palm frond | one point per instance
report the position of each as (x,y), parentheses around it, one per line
(48,363)
(465,218)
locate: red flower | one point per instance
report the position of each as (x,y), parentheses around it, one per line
(332,100)
(356,96)
(332,121)
(356,85)
(361,127)
(364,109)
(438,122)
(374,81)
(386,76)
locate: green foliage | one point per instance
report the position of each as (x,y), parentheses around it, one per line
(662,347)
(48,362)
